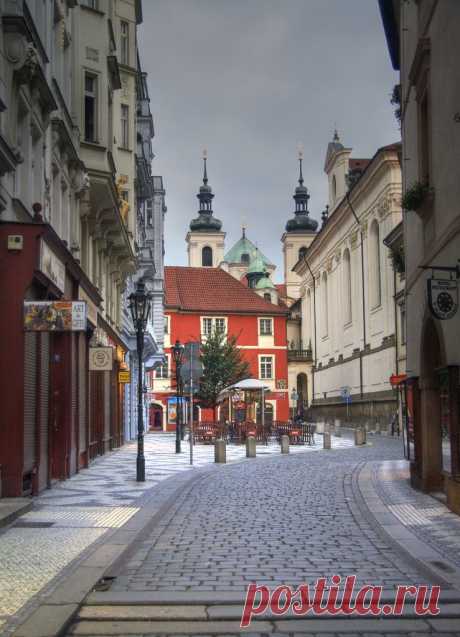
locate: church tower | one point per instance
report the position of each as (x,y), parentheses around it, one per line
(300,232)
(205,239)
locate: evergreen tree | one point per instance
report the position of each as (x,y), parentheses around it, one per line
(223,365)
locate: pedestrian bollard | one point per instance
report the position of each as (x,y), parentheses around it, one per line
(360,436)
(250,447)
(377,428)
(285,444)
(337,431)
(320,427)
(220,451)
(326,440)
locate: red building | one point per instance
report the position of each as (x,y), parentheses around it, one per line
(200,299)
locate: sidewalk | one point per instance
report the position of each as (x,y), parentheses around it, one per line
(40,549)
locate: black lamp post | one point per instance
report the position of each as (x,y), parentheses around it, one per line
(178,353)
(140,304)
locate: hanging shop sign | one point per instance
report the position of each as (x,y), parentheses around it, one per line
(100,359)
(54,316)
(443,297)
(52,266)
(124,376)
(91,307)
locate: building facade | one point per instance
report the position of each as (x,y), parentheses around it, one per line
(68,228)
(347,322)
(424,47)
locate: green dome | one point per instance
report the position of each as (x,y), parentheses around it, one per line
(257,265)
(244,247)
(265,283)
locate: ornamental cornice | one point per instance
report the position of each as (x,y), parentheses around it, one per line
(354,239)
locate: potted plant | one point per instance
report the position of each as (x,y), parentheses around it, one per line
(416,196)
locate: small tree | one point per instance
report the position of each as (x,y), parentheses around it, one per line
(223,365)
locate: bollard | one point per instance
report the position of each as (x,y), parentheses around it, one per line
(337,431)
(250,447)
(220,451)
(360,436)
(326,440)
(320,427)
(377,428)
(285,444)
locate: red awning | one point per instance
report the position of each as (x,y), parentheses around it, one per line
(397,379)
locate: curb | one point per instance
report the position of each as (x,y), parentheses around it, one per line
(409,544)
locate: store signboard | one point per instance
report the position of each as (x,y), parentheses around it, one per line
(54,316)
(100,359)
(52,266)
(124,376)
(90,305)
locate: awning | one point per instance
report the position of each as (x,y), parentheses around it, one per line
(397,379)
(249,384)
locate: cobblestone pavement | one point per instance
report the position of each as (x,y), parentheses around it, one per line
(427,518)
(39,548)
(281,521)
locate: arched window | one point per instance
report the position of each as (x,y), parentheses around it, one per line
(302,252)
(375,282)
(268,297)
(334,188)
(325,306)
(206,257)
(245,258)
(347,303)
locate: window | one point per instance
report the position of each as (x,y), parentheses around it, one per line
(325,306)
(90,108)
(374,269)
(149,208)
(266,367)
(402,323)
(206,257)
(265,326)
(125,126)
(425,146)
(347,287)
(209,324)
(268,297)
(245,258)
(163,370)
(302,252)
(124,43)
(92,4)
(334,188)
(166,326)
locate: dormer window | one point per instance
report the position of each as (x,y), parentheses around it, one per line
(245,258)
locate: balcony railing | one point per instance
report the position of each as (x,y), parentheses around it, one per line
(300,355)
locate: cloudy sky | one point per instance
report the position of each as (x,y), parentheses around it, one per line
(250,80)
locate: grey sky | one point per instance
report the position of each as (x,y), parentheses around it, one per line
(250,79)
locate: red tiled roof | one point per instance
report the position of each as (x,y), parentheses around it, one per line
(282,289)
(211,290)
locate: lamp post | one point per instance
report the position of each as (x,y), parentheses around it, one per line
(140,305)
(178,353)
(294,399)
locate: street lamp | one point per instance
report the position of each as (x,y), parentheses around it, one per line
(139,305)
(294,399)
(178,353)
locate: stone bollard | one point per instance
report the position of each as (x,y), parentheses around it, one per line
(285,444)
(220,451)
(377,428)
(326,440)
(320,427)
(337,431)
(250,447)
(389,429)
(360,436)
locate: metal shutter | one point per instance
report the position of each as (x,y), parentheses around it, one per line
(44,407)
(30,383)
(73,410)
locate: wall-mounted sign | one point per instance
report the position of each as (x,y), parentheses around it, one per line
(443,297)
(124,376)
(281,383)
(100,359)
(54,316)
(90,306)
(52,266)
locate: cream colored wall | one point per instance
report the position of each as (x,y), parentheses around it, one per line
(292,242)
(338,169)
(434,240)
(196,241)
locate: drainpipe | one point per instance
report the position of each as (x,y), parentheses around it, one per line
(314,322)
(363,295)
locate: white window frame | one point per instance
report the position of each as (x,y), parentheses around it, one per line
(263,363)
(168,369)
(124,42)
(263,320)
(167,324)
(124,123)
(213,319)
(95,96)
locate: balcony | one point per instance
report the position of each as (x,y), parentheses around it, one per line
(300,355)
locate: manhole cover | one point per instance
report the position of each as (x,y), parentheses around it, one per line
(25,524)
(442,566)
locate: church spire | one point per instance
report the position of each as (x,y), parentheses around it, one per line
(205,222)
(301,221)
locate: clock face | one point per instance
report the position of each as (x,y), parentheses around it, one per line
(445,302)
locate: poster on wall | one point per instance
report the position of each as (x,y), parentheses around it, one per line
(54,316)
